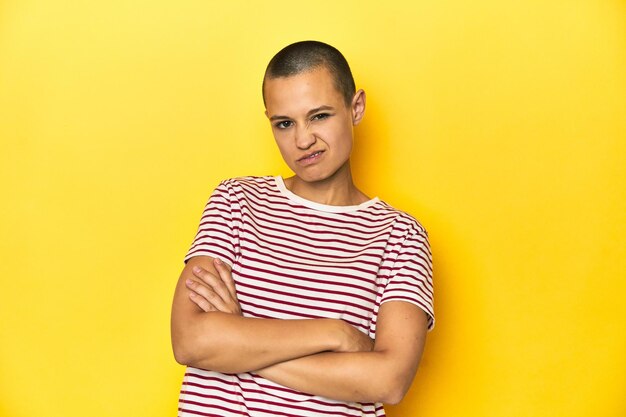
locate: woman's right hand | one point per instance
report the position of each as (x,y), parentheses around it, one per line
(214,292)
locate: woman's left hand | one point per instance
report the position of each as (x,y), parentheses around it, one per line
(214,292)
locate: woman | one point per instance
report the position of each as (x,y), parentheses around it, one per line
(303,296)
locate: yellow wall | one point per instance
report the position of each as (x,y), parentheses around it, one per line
(501,125)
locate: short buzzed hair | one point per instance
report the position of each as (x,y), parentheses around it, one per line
(308,55)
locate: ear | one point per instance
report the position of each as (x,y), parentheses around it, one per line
(358,107)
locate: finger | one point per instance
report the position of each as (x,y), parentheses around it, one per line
(201,302)
(214,282)
(207,293)
(226,277)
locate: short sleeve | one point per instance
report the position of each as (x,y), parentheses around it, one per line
(217,234)
(412,275)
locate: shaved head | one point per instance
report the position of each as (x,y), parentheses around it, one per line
(305,56)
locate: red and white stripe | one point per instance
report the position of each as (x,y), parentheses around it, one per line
(297,259)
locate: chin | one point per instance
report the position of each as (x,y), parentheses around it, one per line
(316,176)
(307,175)
(311,178)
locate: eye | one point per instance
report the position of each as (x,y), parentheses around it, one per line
(320,116)
(283,124)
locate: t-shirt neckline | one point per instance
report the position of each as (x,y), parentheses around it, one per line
(280,184)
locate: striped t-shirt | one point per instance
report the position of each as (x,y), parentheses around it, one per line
(293,258)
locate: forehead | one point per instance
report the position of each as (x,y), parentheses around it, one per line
(301,92)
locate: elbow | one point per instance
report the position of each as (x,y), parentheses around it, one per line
(395,389)
(188,354)
(200,352)
(196,344)
(181,357)
(394,396)
(186,346)
(396,381)
(189,357)
(188,343)
(182,353)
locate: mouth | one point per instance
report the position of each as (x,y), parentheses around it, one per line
(310,156)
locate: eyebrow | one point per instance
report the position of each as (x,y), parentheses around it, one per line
(310,112)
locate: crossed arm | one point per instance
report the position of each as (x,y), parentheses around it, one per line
(325,357)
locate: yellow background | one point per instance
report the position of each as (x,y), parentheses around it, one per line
(500,125)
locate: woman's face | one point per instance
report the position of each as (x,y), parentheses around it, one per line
(311,123)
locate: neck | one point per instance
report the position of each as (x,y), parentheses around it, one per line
(337,190)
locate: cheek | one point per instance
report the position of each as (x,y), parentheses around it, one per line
(280,137)
(343,138)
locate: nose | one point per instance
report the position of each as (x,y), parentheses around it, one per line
(304,138)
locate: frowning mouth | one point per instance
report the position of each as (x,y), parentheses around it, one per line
(310,157)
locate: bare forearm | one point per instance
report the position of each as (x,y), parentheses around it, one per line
(232,344)
(359,376)
(224,341)
(381,375)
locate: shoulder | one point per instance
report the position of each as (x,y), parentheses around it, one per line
(248,180)
(248,188)
(402,220)
(242,184)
